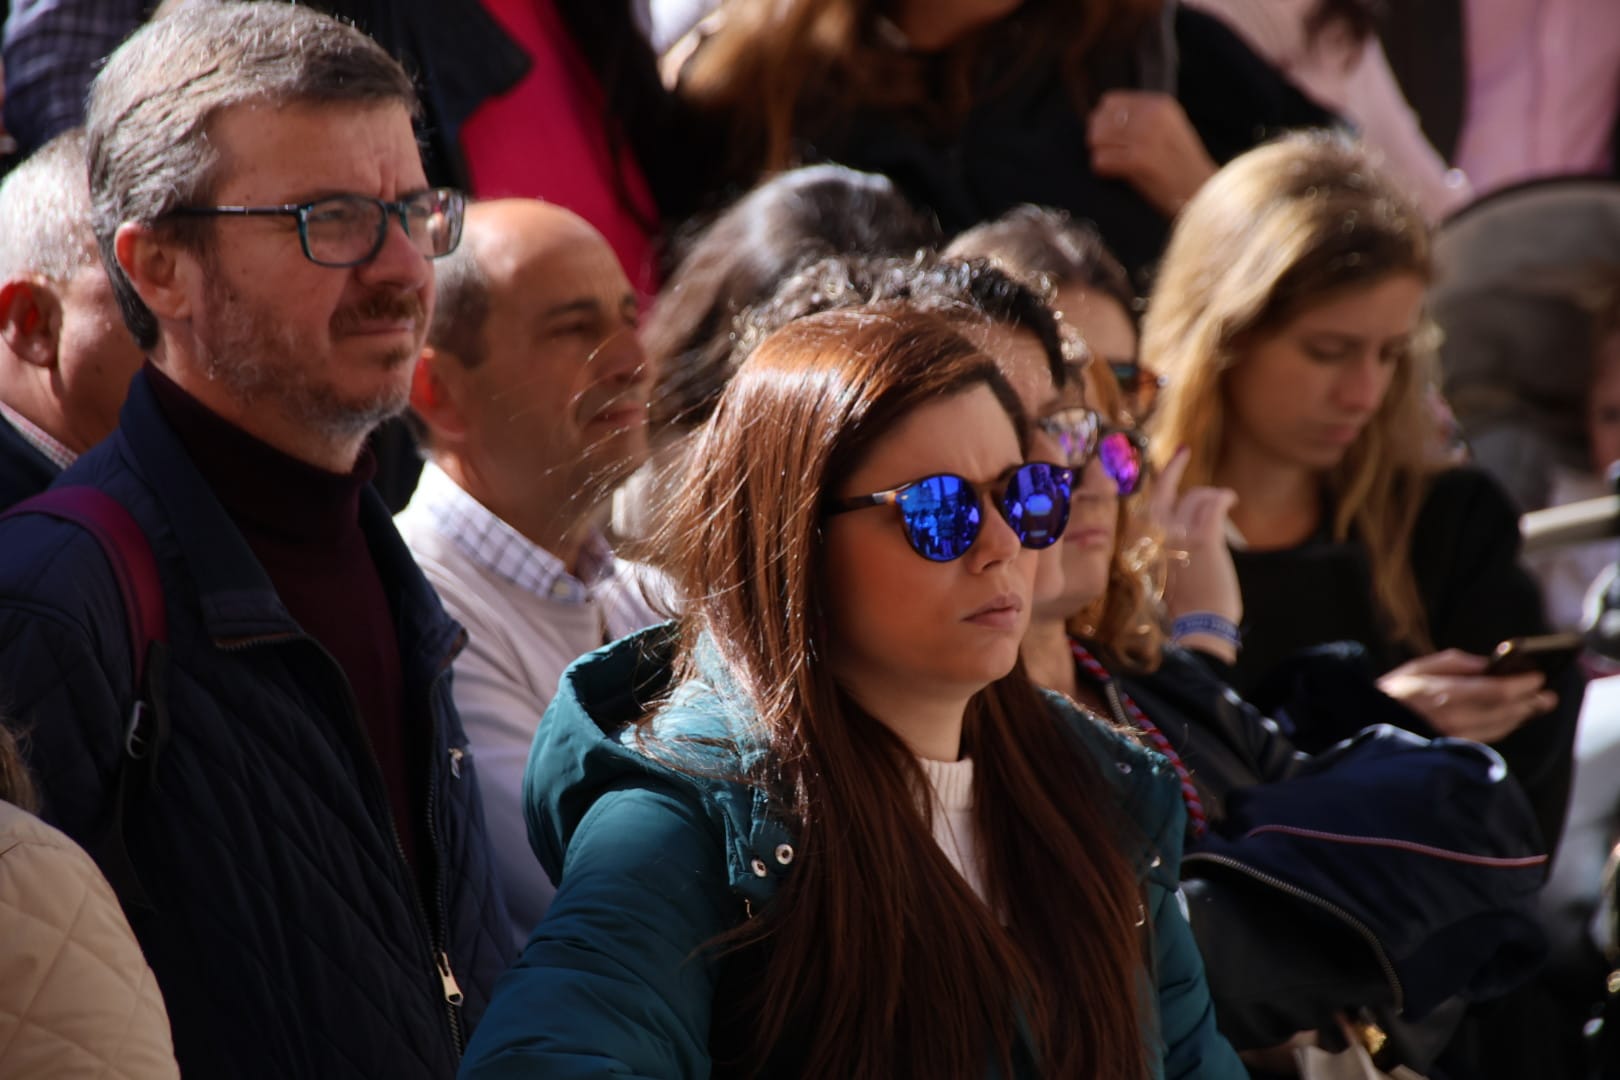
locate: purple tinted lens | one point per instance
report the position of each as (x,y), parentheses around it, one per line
(1121,461)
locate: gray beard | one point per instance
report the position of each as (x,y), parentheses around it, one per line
(253,359)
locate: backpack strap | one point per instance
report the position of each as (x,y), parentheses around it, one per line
(129,554)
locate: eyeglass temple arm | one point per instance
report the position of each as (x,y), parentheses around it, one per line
(860,502)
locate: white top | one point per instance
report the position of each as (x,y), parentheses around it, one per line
(1568,572)
(954,831)
(527,619)
(1354,80)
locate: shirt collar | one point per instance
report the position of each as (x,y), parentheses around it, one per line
(497,547)
(37,437)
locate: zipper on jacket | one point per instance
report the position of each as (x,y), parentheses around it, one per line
(438,958)
(1311,898)
(452,991)
(1116,706)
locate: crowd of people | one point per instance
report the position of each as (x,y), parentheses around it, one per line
(865,540)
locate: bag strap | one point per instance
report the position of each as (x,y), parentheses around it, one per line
(129,555)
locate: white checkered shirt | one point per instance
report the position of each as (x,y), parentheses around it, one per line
(38,438)
(507,553)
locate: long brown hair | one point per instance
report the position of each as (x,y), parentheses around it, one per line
(875,944)
(1279,230)
(780,70)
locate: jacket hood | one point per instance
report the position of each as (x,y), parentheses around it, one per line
(587,744)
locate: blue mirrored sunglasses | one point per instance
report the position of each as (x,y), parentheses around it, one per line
(1083,435)
(942,514)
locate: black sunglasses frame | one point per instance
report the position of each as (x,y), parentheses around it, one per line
(1100,431)
(1061,475)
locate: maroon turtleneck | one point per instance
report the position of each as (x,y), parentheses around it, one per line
(303,524)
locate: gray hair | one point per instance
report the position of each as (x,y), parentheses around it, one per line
(45,212)
(151,105)
(462,305)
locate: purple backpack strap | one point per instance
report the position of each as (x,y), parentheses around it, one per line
(129,554)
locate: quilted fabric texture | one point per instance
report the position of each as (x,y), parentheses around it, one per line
(287,933)
(76,996)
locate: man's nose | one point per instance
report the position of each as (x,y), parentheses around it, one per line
(620,358)
(399,261)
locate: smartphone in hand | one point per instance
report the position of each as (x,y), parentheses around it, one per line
(1549,654)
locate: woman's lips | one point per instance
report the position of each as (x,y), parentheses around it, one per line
(1004,612)
(625,415)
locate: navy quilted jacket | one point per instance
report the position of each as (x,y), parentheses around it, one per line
(285,928)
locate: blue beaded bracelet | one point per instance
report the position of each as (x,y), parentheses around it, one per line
(1206,622)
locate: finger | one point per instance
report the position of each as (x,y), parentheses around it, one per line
(1490,691)
(1207,505)
(1481,723)
(1114,162)
(1110,119)
(1166,490)
(1142,100)
(1197,514)
(1499,723)
(1446,662)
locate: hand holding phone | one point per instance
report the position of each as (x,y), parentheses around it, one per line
(1549,654)
(1455,692)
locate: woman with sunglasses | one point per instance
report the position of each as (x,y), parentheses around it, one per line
(824,826)
(1088,287)
(1288,322)
(1282,920)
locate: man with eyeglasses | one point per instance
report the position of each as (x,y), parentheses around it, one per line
(283,800)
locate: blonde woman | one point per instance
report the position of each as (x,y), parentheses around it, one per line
(1288,322)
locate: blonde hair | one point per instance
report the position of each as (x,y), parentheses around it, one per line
(1278,231)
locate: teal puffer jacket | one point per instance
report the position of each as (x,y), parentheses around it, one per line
(653,862)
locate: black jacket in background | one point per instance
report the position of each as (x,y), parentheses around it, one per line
(1322,884)
(1028,145)
(24,471)
(1465,554)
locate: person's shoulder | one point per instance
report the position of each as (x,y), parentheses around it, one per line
(596,737)
(1467,485)
(1468,505)
(78,968)
(1141,780)
(54,566)
(42,853)
(1254,100)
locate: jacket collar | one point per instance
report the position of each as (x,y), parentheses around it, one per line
(708,749)
(238,602)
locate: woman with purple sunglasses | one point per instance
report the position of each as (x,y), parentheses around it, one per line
(824,825)
(1289,858)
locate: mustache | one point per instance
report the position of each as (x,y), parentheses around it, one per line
(380,306)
